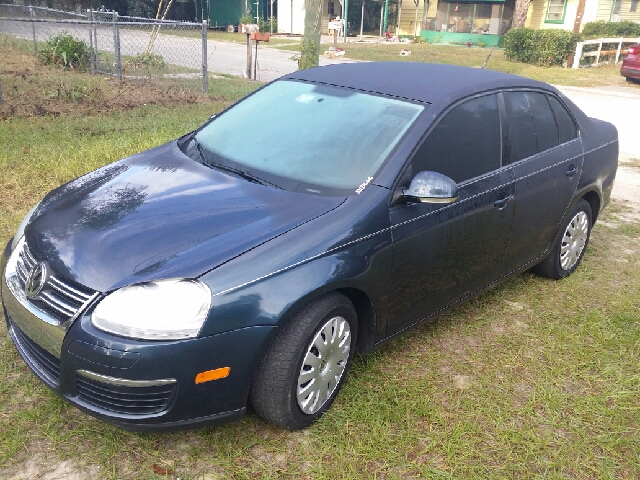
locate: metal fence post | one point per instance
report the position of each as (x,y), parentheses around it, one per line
(32,14)
(205,75)
(116,43)
(93,56)
(95,38)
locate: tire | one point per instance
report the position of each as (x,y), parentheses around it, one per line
(289,386)
(570,245)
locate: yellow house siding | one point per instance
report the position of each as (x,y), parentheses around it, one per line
(538,13)
(535,14)
(407,25)
(604,10)
(605,7)
(625,14)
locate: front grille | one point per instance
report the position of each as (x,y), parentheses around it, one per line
(37,357)
(124,399)
(60,297)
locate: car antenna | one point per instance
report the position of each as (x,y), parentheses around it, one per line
(485,62)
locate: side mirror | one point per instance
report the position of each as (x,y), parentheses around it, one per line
(432,187)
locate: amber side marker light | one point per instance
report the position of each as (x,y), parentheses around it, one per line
(210,375)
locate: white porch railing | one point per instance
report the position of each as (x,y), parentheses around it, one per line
(598,53)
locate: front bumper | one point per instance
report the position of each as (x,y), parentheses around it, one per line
(136,385)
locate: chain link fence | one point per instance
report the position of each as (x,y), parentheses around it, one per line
(121,46)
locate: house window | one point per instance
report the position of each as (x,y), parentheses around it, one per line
(555,11)
(331,10)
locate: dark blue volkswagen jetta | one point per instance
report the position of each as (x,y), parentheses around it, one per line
(175,287)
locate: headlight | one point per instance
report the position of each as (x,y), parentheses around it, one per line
(162,310)
(25,221)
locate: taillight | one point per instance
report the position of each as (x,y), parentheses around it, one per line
(633,50)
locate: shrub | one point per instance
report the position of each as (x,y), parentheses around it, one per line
(602,29)
(147,61)
(520,46)
(65,51)
(265,24)
(540,47)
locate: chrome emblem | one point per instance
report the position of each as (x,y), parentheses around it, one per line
(36,279)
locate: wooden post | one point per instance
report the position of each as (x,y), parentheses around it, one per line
(619,49)
(577,56)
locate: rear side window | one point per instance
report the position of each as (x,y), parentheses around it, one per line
(522,131)
(566,126)
(532,125)
(466,143)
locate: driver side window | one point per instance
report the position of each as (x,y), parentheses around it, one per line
(465,143)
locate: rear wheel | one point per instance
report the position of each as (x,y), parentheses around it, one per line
(307,363)
(570,244)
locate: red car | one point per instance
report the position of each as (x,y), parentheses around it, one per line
(631,64)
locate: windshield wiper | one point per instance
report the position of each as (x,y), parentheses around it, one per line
(226,168)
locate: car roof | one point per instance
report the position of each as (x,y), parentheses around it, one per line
(424,82)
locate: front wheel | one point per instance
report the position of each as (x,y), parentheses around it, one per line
(307,363)
(570,245)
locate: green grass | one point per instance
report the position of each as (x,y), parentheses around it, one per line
(475,57)
(536,379)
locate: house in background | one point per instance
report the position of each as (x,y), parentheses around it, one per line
(228,12)
(443,21)
(447,21)
(562,13)
(291,15)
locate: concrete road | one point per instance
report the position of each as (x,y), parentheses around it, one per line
(183,51)
(618,105)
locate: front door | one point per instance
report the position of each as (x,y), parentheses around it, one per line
(443,253)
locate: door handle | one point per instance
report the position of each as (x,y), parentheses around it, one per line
(572,170)
(502,203)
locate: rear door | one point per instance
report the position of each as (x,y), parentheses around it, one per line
(546,155)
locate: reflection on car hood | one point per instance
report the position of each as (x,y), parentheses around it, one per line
(157,215)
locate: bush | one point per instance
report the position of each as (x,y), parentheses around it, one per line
(265,24)
(65,51)
(146,61)
(540,47)
(602,29)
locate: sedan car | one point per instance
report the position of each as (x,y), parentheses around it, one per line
(630,68)
(244,263)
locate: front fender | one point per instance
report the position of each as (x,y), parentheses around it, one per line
(275,298)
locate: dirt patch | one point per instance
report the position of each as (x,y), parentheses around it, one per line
(41,468)
(30,88)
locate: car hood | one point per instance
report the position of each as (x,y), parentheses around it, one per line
(159,214)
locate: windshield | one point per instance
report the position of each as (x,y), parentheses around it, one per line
(308,137)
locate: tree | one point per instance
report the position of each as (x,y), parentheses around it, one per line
(520,13)
(310,55)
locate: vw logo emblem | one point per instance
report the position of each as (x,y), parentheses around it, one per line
(36,279)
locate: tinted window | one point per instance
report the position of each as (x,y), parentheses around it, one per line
(522,136)
(545,123)
(566,125)
(466,143)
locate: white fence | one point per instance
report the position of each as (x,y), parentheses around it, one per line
(579,55)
